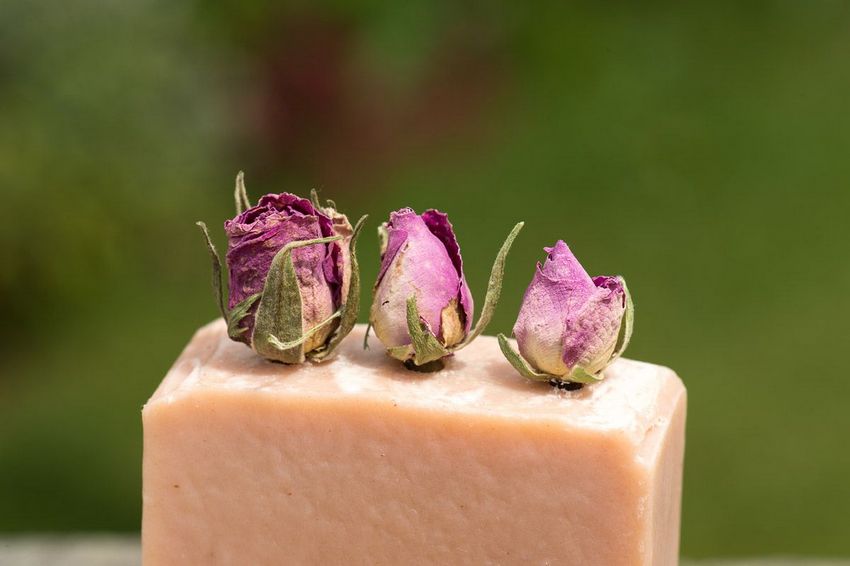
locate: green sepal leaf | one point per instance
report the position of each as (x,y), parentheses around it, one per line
(579,375)
(402,353)
(519,363)
(314,198)
(366,336)
(494,289)
(351,307)
(274,341)
(279,312)
(240,195)
(237,313)
(426,347)
(627,326)
(218,290)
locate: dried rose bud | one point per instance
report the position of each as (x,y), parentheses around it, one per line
(422,307)
(294,282)
(570,326)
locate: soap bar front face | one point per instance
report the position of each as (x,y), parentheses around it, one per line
(359,461)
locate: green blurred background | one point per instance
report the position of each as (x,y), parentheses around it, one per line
(699,149)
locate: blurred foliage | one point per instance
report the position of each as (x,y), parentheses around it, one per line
(697,149)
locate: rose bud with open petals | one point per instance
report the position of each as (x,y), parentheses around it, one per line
(291,271)
(422,306)
(570,325)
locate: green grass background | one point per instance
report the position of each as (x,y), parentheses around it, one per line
(699,149)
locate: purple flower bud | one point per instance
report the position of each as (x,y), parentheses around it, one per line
(254,238)
(421,259)
(570,322)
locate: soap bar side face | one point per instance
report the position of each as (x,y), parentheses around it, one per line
(667,486)
(227,475)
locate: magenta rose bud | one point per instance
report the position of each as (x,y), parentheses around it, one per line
(255,236)
(291,269)
(422,260)
(570,325)
(422,307)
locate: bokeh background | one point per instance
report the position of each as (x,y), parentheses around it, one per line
(700,149)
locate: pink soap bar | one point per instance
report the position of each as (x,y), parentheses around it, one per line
(360,461)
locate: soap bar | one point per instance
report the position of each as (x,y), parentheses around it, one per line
(360,461)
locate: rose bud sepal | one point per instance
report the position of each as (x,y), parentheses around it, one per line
(232,317)
(278,333)
(578,374)
(424,348)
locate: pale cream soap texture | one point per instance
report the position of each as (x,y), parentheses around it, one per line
(360,461)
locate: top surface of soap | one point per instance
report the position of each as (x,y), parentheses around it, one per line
(476,380)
